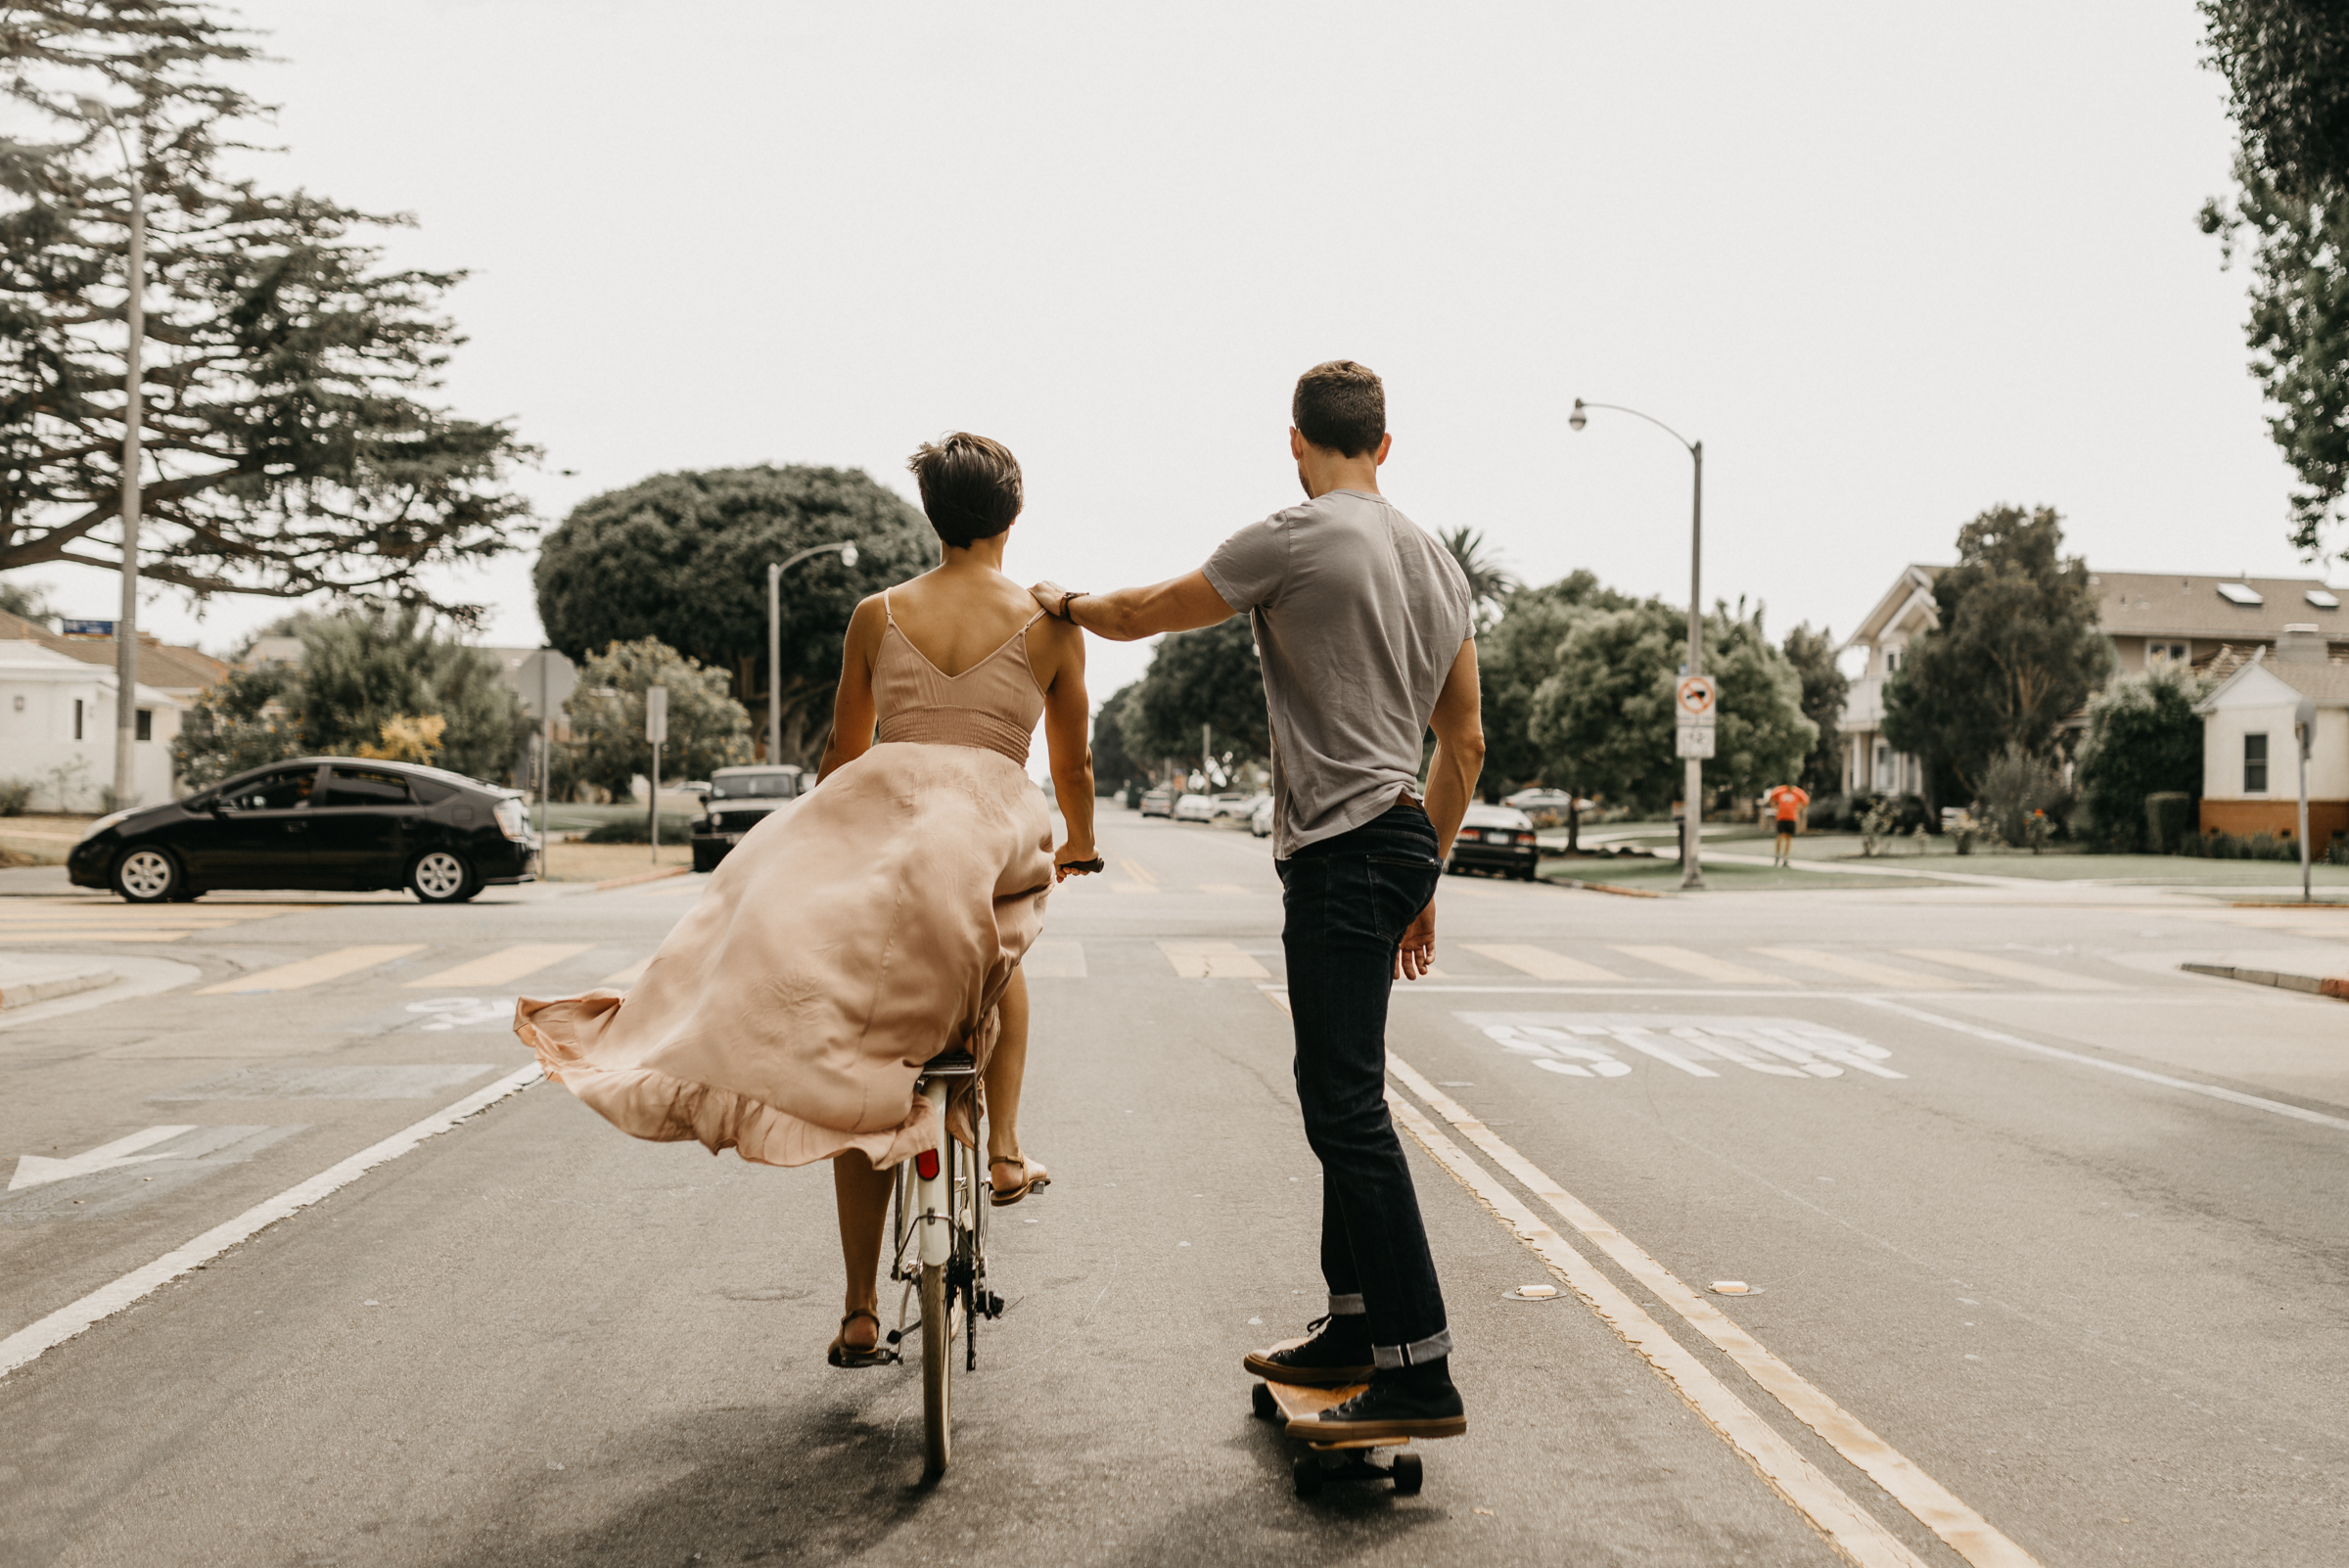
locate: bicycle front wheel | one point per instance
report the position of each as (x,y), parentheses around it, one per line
(938,1364)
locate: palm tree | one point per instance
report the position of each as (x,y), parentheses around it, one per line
(1489,583)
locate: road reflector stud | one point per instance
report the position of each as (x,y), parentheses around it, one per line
(1733,1287)
(1530,1293)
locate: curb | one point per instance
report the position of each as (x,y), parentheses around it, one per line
(30,992)
(1602,887)
(2336,986)
(641,876)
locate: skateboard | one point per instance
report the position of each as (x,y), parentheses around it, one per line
(1347,1461)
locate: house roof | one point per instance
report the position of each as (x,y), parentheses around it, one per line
(22,659)
(2256,684)
(2159,604)
(161,665)
(1914,582)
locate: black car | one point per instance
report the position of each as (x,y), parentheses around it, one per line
(738,801)
(1496,838)
(339,823)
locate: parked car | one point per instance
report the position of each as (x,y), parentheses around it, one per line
(1195,808)
(1158,802)
(1547,807)
(739,800)
(1496,838)
(1237,804)
(343,824)
(1259,820)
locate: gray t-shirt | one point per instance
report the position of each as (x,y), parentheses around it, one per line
(1358,616)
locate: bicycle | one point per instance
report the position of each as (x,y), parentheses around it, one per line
(937,1206)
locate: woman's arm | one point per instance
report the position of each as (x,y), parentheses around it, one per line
(853,706)
(1068,742)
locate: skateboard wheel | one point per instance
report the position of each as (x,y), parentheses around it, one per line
(1261,1397)
(1408,1475)
(1307,1473)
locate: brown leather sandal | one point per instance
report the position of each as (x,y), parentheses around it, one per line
(844,1353)
(1037,1178)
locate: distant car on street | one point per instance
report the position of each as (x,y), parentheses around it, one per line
(1158,802)
(1195,808)
(1547,807)
(1496,838)
(1259,820)
(739,800)
(340,824)
(1236,803)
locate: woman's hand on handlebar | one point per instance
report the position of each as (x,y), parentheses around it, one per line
(1073,861)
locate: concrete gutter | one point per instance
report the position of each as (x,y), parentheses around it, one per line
(2336,986)
(48,987)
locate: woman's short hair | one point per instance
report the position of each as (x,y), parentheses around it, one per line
(1341,407)
(970,486)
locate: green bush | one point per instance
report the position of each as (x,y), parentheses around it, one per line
(2168,820)
(631,830)
(2142,740)
(2260,845)
(15,795)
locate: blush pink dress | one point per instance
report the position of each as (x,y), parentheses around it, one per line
(848,939)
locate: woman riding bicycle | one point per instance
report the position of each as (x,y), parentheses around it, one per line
(881,920)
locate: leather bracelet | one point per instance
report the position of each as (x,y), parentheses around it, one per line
(1066,599)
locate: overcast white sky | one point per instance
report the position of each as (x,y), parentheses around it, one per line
(1892,265)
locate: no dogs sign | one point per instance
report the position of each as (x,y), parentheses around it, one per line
(1694,697)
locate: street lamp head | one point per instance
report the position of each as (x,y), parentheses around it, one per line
(1578,419)
(95,109)
(848,554)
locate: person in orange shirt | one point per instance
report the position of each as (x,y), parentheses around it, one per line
(1786,801)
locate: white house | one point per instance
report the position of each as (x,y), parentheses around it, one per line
(57,729)
(2250,768)
(1869,762)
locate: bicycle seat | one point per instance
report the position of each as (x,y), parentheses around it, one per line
(950,1064)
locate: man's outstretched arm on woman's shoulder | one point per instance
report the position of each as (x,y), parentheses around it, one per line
(1127,614)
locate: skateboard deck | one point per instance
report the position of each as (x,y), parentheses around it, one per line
(1348,1459)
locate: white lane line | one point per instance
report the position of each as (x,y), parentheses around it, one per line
(1211,960)
(311,971)
(1967,1532)
(28,1343)
(2232,1096)
(2009,969)
(1874,974)
(1539,962)
(1703,965)
(1849,1529)
(504,965)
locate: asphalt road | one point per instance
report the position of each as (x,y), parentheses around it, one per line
(2044,1241)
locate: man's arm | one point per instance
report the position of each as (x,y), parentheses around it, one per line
(1128,615)
(1459,726)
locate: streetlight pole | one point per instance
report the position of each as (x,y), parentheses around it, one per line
(845,549)
(134,320)
(1692,873)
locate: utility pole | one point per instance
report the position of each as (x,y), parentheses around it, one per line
(134,323)
(655,730)
(846,550)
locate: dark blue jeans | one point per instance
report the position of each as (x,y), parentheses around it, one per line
(1348,901)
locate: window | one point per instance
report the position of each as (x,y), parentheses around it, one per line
(146,724)
(2168,653)
(2255,765)
(77,719)
(777,785)
(365,786)
(271,792)
(1892,659)
(2241,593)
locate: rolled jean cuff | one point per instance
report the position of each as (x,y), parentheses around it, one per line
(1434,1348)
(1347,1306)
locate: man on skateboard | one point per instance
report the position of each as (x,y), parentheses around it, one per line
(1362,623)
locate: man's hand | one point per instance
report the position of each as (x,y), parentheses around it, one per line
(1070,862)
(1048,596)
(1415,955)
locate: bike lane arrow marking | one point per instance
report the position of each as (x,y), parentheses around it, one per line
(36,1170)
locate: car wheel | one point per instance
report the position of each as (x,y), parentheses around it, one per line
(442,876)
(147,875)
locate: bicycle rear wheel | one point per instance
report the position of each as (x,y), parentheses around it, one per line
(938,1365)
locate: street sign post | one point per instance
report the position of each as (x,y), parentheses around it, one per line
(1693,713)
(655,730)
(1695,743)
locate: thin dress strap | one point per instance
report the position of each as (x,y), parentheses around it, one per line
(887,613)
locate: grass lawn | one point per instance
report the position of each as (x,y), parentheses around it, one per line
(1664,876)
(601,862)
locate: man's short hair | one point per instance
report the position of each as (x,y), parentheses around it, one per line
(970,486)
(1341,406)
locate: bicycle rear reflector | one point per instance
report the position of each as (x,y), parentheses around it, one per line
(925,1165)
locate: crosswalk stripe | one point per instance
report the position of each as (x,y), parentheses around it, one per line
(630,975)
(2009,969)
(1055,960)
(311,971)
(1850,968)
(1539,962)
(1211,960)
(506,964)
(1703,965)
